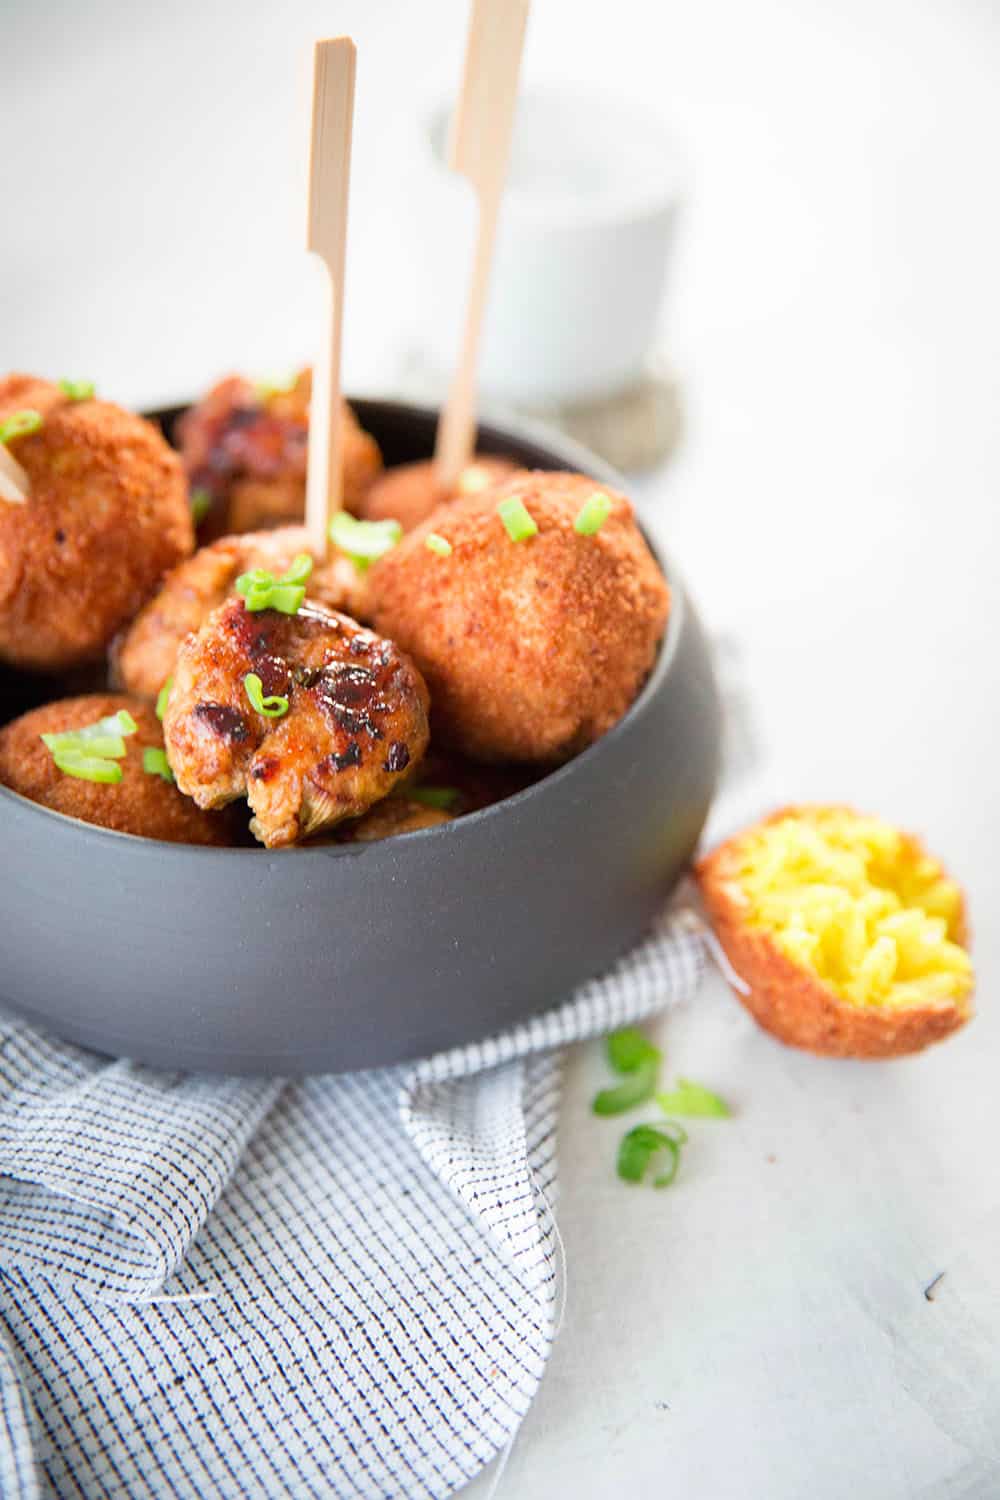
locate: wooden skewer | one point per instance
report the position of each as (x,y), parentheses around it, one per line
(479,149)
(329,179)
(14,482)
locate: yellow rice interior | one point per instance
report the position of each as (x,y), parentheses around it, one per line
(860,905)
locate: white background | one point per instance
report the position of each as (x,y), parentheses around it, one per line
(760,1330)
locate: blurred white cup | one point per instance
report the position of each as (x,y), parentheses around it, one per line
(585,234)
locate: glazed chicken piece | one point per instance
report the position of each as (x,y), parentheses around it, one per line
(143,658)
(244,450)
(340,716)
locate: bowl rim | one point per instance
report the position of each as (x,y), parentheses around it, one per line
(529,431)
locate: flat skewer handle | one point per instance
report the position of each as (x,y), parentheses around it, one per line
(329,183)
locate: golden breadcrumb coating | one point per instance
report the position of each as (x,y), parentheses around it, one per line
(141,803)
(409,492)
(531,649)
(392,816)
(106,517)
(850,937)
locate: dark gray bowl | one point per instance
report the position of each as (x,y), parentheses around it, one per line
(361,955)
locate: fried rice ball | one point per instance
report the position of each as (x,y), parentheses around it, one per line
(849,939)
(244,448)
(143,658)
(106,516)
(142,803)
(392,816)
(409,492)
(348,716)
(531,649)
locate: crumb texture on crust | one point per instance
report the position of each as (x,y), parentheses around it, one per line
(849,934)
(531,649)
(408,493)
(141,803)
(106,516)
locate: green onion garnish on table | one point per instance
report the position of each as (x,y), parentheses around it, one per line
(163,698)
(632,1053)
(19,424)
(78,390)
(593,514)
(90,753)
(639,1086)
(439,545)
(518,521)
(273,707)
(651,1146)
(155,763)
(628,1048)
(689,1098)
(261,590)
(434,796)
(363,541)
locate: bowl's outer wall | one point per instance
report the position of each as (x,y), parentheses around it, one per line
(363,955)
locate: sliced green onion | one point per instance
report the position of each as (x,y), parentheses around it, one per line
(155,763)
(517,519)
(19,424)
(628,1048)
(300,569)
(262,590)
(265,389)
(692,1099)
(645,1146)
(274,707)
(75,762)
(593,514)
(108,746)
(201,504)
(78,390)
(434,796)
(439,545)
(636,1088)
(363,541)
(285,598)
(630,1052)
(103,739)
(163,698)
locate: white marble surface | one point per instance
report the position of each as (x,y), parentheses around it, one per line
(759,1332)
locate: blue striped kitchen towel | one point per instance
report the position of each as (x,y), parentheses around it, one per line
(235,1288)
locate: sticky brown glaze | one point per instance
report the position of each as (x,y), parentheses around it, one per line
(409,492)
(247,451)
(531,649)
(141,803)
(143,657)
(106,516)
(355,705)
